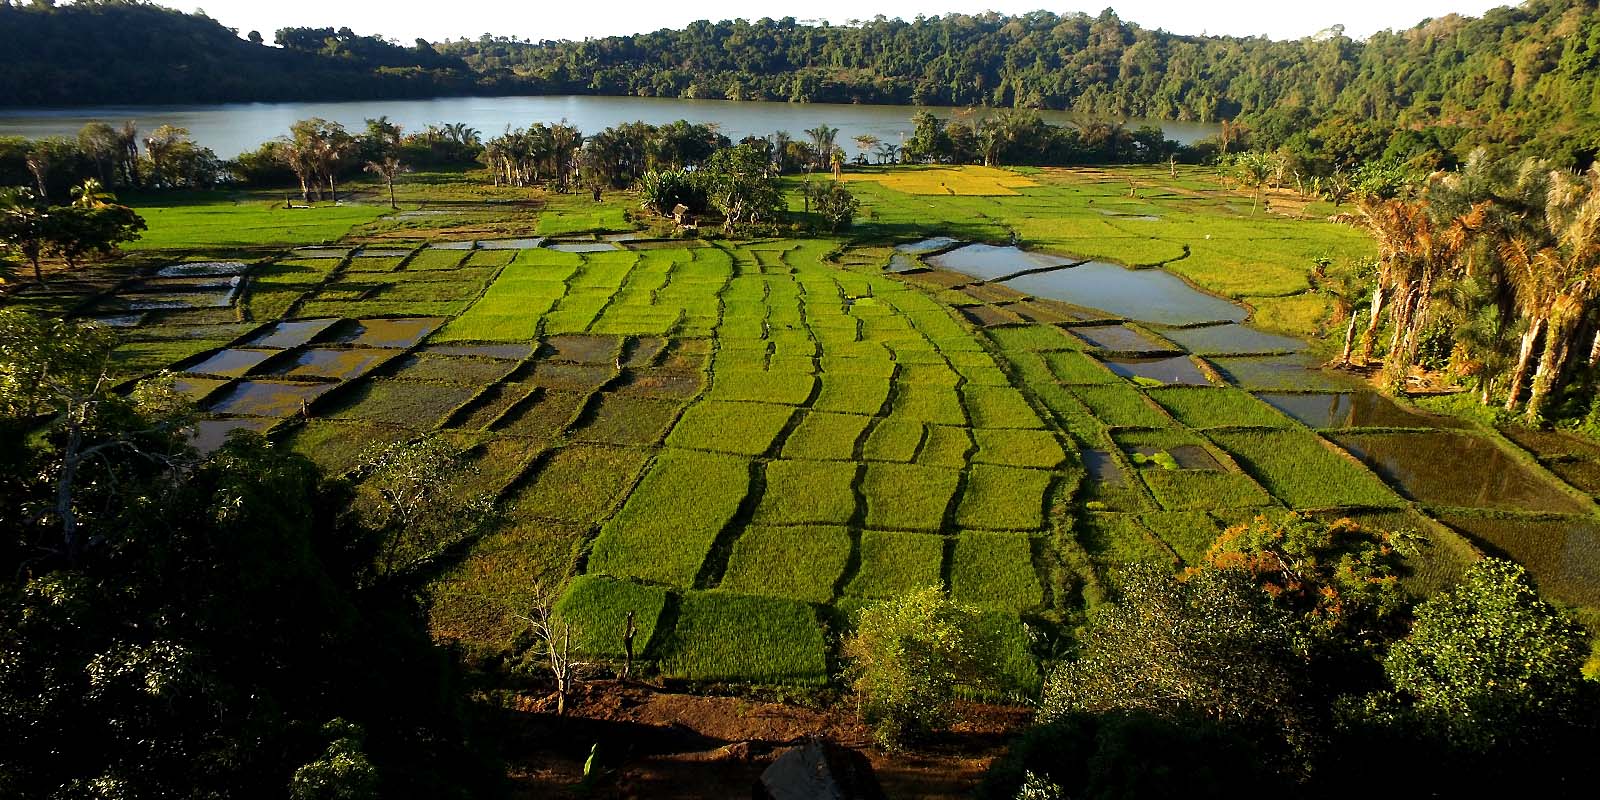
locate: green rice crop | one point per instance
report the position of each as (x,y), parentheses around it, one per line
(853,393)
(1201,407)
(761,386)
(1189,533)
(338,446)
(1003,498)
(547,415)
(999,407)
(420,406)
(1302,472)
(908,496)
(801,563)
(945,446)
(893,439)
(624,420)
(806,492)
(1077,368)
(669,523)
(1117,539)
(729,637)
(432,259)
(937,404)
(826,436)
(481,601)
(1033,337)
(894,563)
(1018,448)
(596,609)
(1121,407)
(744,428)
(580,483)
(995,570)
(1189,490)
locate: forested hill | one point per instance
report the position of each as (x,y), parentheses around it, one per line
(1517,74)
(125,51)
(1529,69)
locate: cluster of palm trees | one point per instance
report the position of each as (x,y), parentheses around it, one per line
(533,154)
(1505,257)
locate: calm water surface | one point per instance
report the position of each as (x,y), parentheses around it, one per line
(235,128)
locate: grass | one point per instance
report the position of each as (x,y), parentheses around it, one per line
(1302,472)
(193,220)
(894,563)
(742,428)
(596,608)
(995,570)
(808,492)
(826,436)
(668,524)
(1003,498)
(729,637)
(908,496)
(800,563)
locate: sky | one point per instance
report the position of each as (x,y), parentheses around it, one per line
(564,19)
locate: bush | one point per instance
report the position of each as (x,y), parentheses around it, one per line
(663,190)
(907,656)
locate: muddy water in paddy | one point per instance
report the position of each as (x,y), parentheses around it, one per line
(1563,554)
(231,363)
(208,435)
(932,245)
(1146,295)
(1352,410)
(452,245)
(1174,370)
(988,261)
(1102,467)
(1291,373)
(1232,339)
(291,334)
(1120,339)
(333,364)
(509,244)
(268,398)
(390,332)
(1457,469)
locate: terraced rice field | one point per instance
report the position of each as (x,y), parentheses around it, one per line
(742,442)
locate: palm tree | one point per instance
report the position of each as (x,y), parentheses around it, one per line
(1572,263)
(24,225)
(91,194)
(866,143)
(889,153)
(387,168)
(822,138)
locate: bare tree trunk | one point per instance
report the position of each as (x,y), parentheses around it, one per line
(1370,337)
(1519,375)
(1349,339)
(1549,372)
(1594,350)
(392,204)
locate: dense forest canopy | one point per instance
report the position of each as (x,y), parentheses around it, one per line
(1516,74)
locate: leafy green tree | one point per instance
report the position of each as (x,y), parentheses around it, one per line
(418,497)
(833,203)
(93,224)
(907,656)
(342,772)
(743,188)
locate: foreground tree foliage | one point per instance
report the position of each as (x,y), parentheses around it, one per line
(189,626)
(1285,662)
(907,656)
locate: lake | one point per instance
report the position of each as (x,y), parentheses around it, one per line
(234,128)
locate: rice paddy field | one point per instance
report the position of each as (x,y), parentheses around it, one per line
(743,441)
